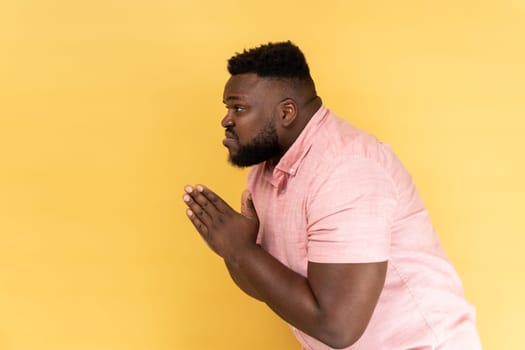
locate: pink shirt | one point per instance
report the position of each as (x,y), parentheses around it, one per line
(339,195)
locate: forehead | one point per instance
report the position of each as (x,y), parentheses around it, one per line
(249,85)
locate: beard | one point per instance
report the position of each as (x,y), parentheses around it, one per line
(264,146)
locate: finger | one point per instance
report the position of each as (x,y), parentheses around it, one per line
(247,207)
(197,210)
(205,205)
(199,225)
(213,198)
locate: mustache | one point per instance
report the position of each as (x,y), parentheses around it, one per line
(230,132)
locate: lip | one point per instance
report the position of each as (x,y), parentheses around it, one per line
(229,139)
(230,135)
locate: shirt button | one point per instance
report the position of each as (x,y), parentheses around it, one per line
(292,170)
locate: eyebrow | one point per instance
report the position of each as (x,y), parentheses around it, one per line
(232,98)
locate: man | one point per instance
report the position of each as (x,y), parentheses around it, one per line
(332,233)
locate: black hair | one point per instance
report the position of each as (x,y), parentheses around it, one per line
(272,60)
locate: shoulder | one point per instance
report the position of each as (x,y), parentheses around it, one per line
(338,144)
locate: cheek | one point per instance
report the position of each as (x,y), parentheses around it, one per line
(244,135)
(250,124)
(246,131)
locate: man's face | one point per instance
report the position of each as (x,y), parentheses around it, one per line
(251,133)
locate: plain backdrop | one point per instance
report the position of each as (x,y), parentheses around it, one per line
(108,108)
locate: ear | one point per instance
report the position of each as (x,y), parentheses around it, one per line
(287,112)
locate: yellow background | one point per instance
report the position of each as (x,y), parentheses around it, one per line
(108,108)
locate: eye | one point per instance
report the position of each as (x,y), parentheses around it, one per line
(237,108)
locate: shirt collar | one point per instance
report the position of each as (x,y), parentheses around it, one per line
(290,162)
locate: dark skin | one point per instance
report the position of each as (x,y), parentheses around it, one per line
(334,302)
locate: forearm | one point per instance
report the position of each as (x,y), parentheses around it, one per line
(333,304)
(286,292)
(240,281)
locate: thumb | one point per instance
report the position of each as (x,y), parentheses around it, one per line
(247,207)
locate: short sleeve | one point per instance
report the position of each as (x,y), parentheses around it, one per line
(350,212)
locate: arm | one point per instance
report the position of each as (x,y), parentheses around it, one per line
(248,211)
(333,303)
(241,282)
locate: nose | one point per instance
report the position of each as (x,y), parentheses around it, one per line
(227,120)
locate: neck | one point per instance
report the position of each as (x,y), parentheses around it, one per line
(311,106)
(306,112)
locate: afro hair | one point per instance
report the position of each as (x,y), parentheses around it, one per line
(272,60)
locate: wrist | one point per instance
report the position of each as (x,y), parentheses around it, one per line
(242,255)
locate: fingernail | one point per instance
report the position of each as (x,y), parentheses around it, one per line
(188,189)
(200,188)
(189,212)
(186,198)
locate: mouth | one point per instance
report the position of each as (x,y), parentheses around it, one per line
(230,138)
